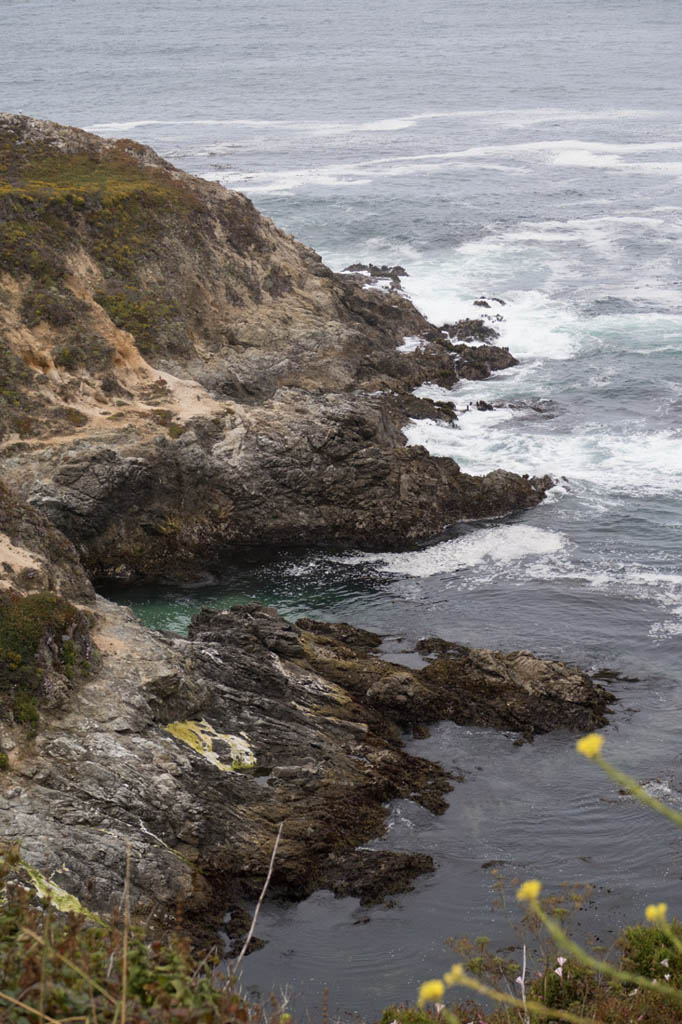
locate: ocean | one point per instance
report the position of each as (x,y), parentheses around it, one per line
(528,151)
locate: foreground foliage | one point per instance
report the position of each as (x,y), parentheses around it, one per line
(579,987)
(57,968)
(61,968)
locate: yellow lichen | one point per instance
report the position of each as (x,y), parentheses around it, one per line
(59,898)
(200,736)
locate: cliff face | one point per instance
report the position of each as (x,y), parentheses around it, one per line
(181,378)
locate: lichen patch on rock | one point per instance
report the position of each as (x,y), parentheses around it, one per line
(201,737)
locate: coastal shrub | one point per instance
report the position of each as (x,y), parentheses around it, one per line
(15,382)
(39,633)
(26,248)
(407,1015)
(143,313)
(653,952)
(58,307)
(90,351)
(117,208)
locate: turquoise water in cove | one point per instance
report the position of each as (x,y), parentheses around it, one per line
(503,147)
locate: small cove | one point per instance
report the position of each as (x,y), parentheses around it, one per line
(538,810)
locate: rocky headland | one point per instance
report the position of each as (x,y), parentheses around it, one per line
(181,381)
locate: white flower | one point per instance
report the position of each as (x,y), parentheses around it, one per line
(665,963)
(561,960)
(559,971)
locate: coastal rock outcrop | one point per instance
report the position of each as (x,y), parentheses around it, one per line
(182,379)
(191,751)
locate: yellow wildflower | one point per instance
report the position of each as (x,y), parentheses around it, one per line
(529,891)
(431,991)
(655,913)
(454,975)
(590,745)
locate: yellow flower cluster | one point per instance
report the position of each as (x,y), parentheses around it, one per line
(529,891)
(655,913)
(454,975)
(590,745)
(431,991)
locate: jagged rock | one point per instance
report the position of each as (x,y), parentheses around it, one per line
(477,362)
(371,274)
(181,380)
(185,379)
(193,750)
(470,330)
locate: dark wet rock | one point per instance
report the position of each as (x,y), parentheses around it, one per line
(545,406)
(470,330)
(196,381)
(323,469)
(484,302)
(514,691)
(194,750)
(415,408)
(375,275)
(371,875)
(478,362)
(484,406)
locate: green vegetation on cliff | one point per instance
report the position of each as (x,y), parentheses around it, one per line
(43,638)
(111,202)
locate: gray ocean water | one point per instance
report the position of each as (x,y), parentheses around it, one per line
(527,150)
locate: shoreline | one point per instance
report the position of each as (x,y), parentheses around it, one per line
(189,358)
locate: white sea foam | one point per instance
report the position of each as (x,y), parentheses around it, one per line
(495,546)
(534,324)
(517,117)
(126,126)
(625,461)
(569,152)
(520,554)
(411,344)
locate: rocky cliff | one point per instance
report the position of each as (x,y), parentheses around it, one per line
(179,380)
(182,379)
